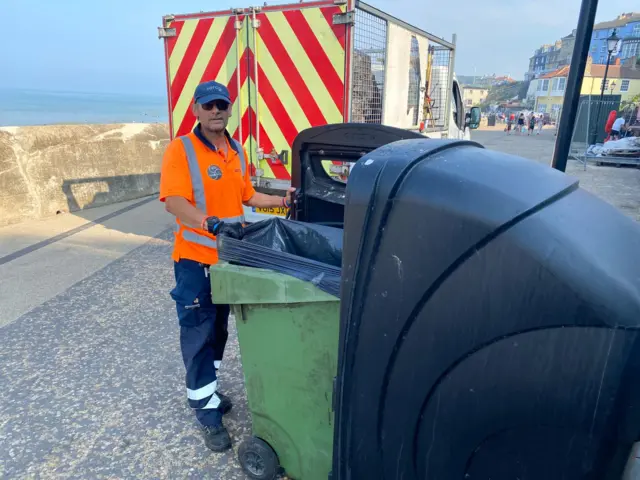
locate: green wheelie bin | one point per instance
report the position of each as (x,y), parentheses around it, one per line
(288,333)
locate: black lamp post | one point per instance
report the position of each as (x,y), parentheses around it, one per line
(584,29)
(612,43)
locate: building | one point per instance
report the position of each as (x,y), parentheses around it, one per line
(550,57)
(544,60)
(549,92)
(473,96)
(566,49)
(621,80)
(627,27)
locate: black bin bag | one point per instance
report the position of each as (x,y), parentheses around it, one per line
(306,251)
(489,321)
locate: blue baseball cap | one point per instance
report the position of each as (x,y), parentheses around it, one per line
(209,91)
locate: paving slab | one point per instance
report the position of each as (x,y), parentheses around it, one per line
(619,186)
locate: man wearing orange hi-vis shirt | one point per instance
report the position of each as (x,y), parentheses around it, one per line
(205,181)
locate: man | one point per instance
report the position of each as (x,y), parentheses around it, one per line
(204,182)
(617,127)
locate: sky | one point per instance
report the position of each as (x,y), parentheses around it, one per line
(112,46)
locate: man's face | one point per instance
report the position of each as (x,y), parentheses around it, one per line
(214,116)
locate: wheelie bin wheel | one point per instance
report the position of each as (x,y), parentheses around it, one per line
(258,460)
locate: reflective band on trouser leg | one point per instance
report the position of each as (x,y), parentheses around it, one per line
(196,176)
(213,403)
(203,393)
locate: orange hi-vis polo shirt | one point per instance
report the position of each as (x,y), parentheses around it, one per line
(215,183)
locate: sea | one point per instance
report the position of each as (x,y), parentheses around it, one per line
(20,107)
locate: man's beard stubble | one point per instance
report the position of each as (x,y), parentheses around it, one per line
(218,129)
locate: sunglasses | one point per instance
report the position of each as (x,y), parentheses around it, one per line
(219,104)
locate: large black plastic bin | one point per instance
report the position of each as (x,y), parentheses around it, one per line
(489,324)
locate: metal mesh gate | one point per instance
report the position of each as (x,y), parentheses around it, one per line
(379,86)
(438,86)
(369,59)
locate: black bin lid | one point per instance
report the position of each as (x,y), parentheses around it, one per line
(321,196)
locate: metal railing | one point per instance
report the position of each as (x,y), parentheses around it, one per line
(586,124)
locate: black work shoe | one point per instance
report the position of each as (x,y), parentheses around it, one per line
(225,403)
(216,438)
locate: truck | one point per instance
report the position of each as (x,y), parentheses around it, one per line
(296,66)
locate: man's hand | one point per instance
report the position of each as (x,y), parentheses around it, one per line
(261,200)
(288,196)
(233,230)
(217,227)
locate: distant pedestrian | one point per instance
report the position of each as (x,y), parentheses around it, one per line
(540,123)
(510,120)
(520,128)
(532,124)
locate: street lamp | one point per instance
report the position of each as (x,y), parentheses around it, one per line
(612,43)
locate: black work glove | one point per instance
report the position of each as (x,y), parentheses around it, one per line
(217,227)
(233,230)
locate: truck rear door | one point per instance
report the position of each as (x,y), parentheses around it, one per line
(202,47)
(298,79)
(284,66)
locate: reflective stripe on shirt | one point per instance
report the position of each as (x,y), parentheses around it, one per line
(240,151)
(191,236)
(198,192)
(196,176)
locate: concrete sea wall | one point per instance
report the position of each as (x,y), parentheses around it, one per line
(66,168)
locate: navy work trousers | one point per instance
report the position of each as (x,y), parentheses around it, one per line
(203,336)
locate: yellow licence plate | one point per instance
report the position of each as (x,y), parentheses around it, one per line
(278,211)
